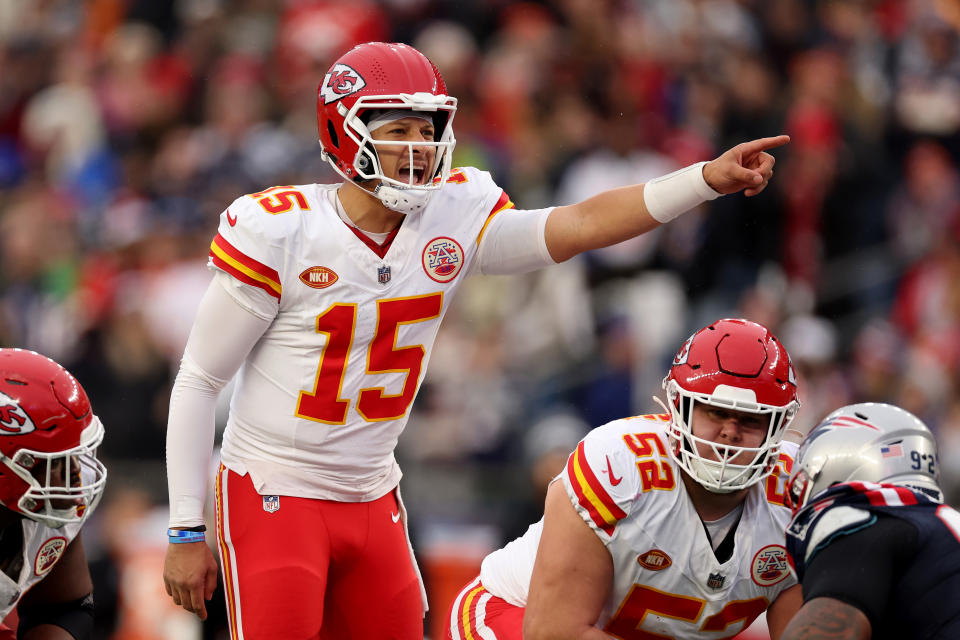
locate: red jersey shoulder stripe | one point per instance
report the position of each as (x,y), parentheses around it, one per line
(503,203)
(243,267)
(590,493)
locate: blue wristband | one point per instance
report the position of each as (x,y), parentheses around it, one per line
(180,536)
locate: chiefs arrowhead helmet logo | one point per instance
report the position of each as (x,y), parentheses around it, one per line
(14,421)
(340,82)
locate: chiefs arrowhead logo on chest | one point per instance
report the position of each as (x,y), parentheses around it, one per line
(318,277)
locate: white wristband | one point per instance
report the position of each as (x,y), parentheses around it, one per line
(668,196)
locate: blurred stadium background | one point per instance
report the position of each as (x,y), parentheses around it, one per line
(126,126)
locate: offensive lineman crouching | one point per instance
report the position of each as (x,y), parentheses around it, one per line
(50,482)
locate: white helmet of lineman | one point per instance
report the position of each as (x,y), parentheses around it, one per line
(867,442)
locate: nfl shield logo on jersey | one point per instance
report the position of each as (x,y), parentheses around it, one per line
(383,274)
(716,580)
(271,503)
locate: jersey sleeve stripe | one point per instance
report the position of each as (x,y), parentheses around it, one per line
(243,267)
(503,203)
(468,614)
(590,493)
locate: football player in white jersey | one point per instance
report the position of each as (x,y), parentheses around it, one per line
(661,526)
(325,303)
(50,482)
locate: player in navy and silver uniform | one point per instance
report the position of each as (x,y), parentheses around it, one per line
(875,548)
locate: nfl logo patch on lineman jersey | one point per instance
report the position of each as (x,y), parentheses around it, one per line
(716,580)
(442,259)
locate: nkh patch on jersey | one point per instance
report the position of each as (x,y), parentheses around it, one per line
(442,259)
(318,277)
(654,560)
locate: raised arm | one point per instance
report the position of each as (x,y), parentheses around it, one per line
(620,214)
(572,576)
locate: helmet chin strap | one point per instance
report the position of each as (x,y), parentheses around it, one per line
(405,201)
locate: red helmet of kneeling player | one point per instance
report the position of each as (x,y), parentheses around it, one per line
(49,471)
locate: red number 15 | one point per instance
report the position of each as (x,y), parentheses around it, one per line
(338,322)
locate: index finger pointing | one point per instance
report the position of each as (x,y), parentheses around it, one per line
(762,144)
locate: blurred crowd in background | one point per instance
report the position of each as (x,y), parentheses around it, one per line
(127,126)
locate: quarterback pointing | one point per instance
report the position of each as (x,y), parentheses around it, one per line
(325,304)
(661,526)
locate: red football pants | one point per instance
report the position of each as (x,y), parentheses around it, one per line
(315,568)
(476,613)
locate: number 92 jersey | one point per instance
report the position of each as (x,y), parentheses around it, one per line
(667,579)
(321,399)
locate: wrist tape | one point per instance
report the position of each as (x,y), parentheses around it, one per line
(669,196)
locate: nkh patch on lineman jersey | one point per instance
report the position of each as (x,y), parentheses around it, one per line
(667,580)
(322,398)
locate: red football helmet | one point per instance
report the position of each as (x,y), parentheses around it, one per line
(365,81)
(736,365)
(48,440)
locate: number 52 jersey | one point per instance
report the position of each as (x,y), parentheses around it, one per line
(321,399)
(667,580)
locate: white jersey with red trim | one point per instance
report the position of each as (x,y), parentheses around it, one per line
(42,549)
(667,579)
(322,398)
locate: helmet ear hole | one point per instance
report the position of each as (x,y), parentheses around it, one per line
(333,134)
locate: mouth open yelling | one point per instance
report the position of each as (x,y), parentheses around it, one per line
(412,175)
